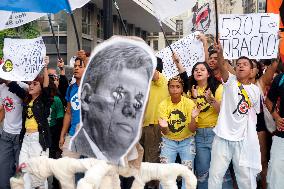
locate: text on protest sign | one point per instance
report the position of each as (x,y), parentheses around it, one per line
(251,35)
(189,49)
(23,59)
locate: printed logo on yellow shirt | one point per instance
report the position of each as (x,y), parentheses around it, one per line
(202,104)
(176,121)
(30,112)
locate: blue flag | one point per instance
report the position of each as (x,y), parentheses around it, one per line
(41,6)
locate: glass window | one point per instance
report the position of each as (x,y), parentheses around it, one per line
(155,45)
(86,19)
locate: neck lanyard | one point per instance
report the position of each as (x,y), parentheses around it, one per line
(244,93)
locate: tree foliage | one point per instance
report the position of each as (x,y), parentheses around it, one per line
(27,31)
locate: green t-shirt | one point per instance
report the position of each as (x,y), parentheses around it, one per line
(56,111)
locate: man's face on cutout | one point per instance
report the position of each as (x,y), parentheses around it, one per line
(114,111)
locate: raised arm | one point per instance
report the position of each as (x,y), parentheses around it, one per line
(222,62)
(267,77)
(203,39)
(178,63)
(45,72)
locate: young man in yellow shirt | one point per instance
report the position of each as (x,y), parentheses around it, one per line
(177,122)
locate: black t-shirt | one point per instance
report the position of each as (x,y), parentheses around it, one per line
(277,91)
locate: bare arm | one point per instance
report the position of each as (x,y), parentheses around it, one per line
(177,62)
(45,72)
(203,39)
(279,121)
(267,77)
(222,63)
(2,113)
(193,125)
(230,68)
(164,126)
(66,124)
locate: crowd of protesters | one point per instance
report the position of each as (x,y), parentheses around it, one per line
(212,122)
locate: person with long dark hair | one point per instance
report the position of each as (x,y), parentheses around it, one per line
(206,90)
(35,135)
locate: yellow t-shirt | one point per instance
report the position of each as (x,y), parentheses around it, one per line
(158,92)
(31,123)
(178,117)
(208,116)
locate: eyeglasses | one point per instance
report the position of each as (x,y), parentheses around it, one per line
(54,76)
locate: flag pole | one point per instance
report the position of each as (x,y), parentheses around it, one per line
(74,24)
(52,30)
(216,17)
(120,17)
(76,31)
(166,39)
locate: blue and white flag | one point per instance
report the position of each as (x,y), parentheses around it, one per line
(41,6)
(12,19)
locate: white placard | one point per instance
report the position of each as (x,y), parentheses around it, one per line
(189,49)
(202,18)
(23,59)
(252,35)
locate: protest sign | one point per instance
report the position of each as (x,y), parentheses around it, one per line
(202,18)
(189,49)
(23,59)
(251,35)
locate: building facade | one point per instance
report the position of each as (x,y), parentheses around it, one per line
(138,16)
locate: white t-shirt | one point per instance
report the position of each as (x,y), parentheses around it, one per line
(233,117)
(13,109)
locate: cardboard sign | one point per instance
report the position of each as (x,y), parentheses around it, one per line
(252,35)
(189,49)
(23,59)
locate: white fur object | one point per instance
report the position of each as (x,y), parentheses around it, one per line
(165,173)
(101,175)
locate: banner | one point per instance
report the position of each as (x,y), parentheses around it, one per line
(251,35)
(15,19)
(202,18)
(23,59)
(189,49)
(170,8)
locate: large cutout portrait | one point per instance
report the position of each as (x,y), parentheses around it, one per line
(113,93)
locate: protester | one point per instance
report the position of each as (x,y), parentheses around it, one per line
(263,81)
(275,168)
(72,114)
(206,91)
(55,121)
(236,137)
(151,134)
(10,113)
(35,134)
(214,66)
(177,121)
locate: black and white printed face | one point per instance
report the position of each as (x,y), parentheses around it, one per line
(114,91)
(115,111)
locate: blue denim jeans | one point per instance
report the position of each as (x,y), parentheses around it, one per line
(9,157)
(204,139)
(185,149)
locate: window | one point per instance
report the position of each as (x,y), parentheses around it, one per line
(100,26)
(155,33)
(155,45)
(179,26)
(86,19)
